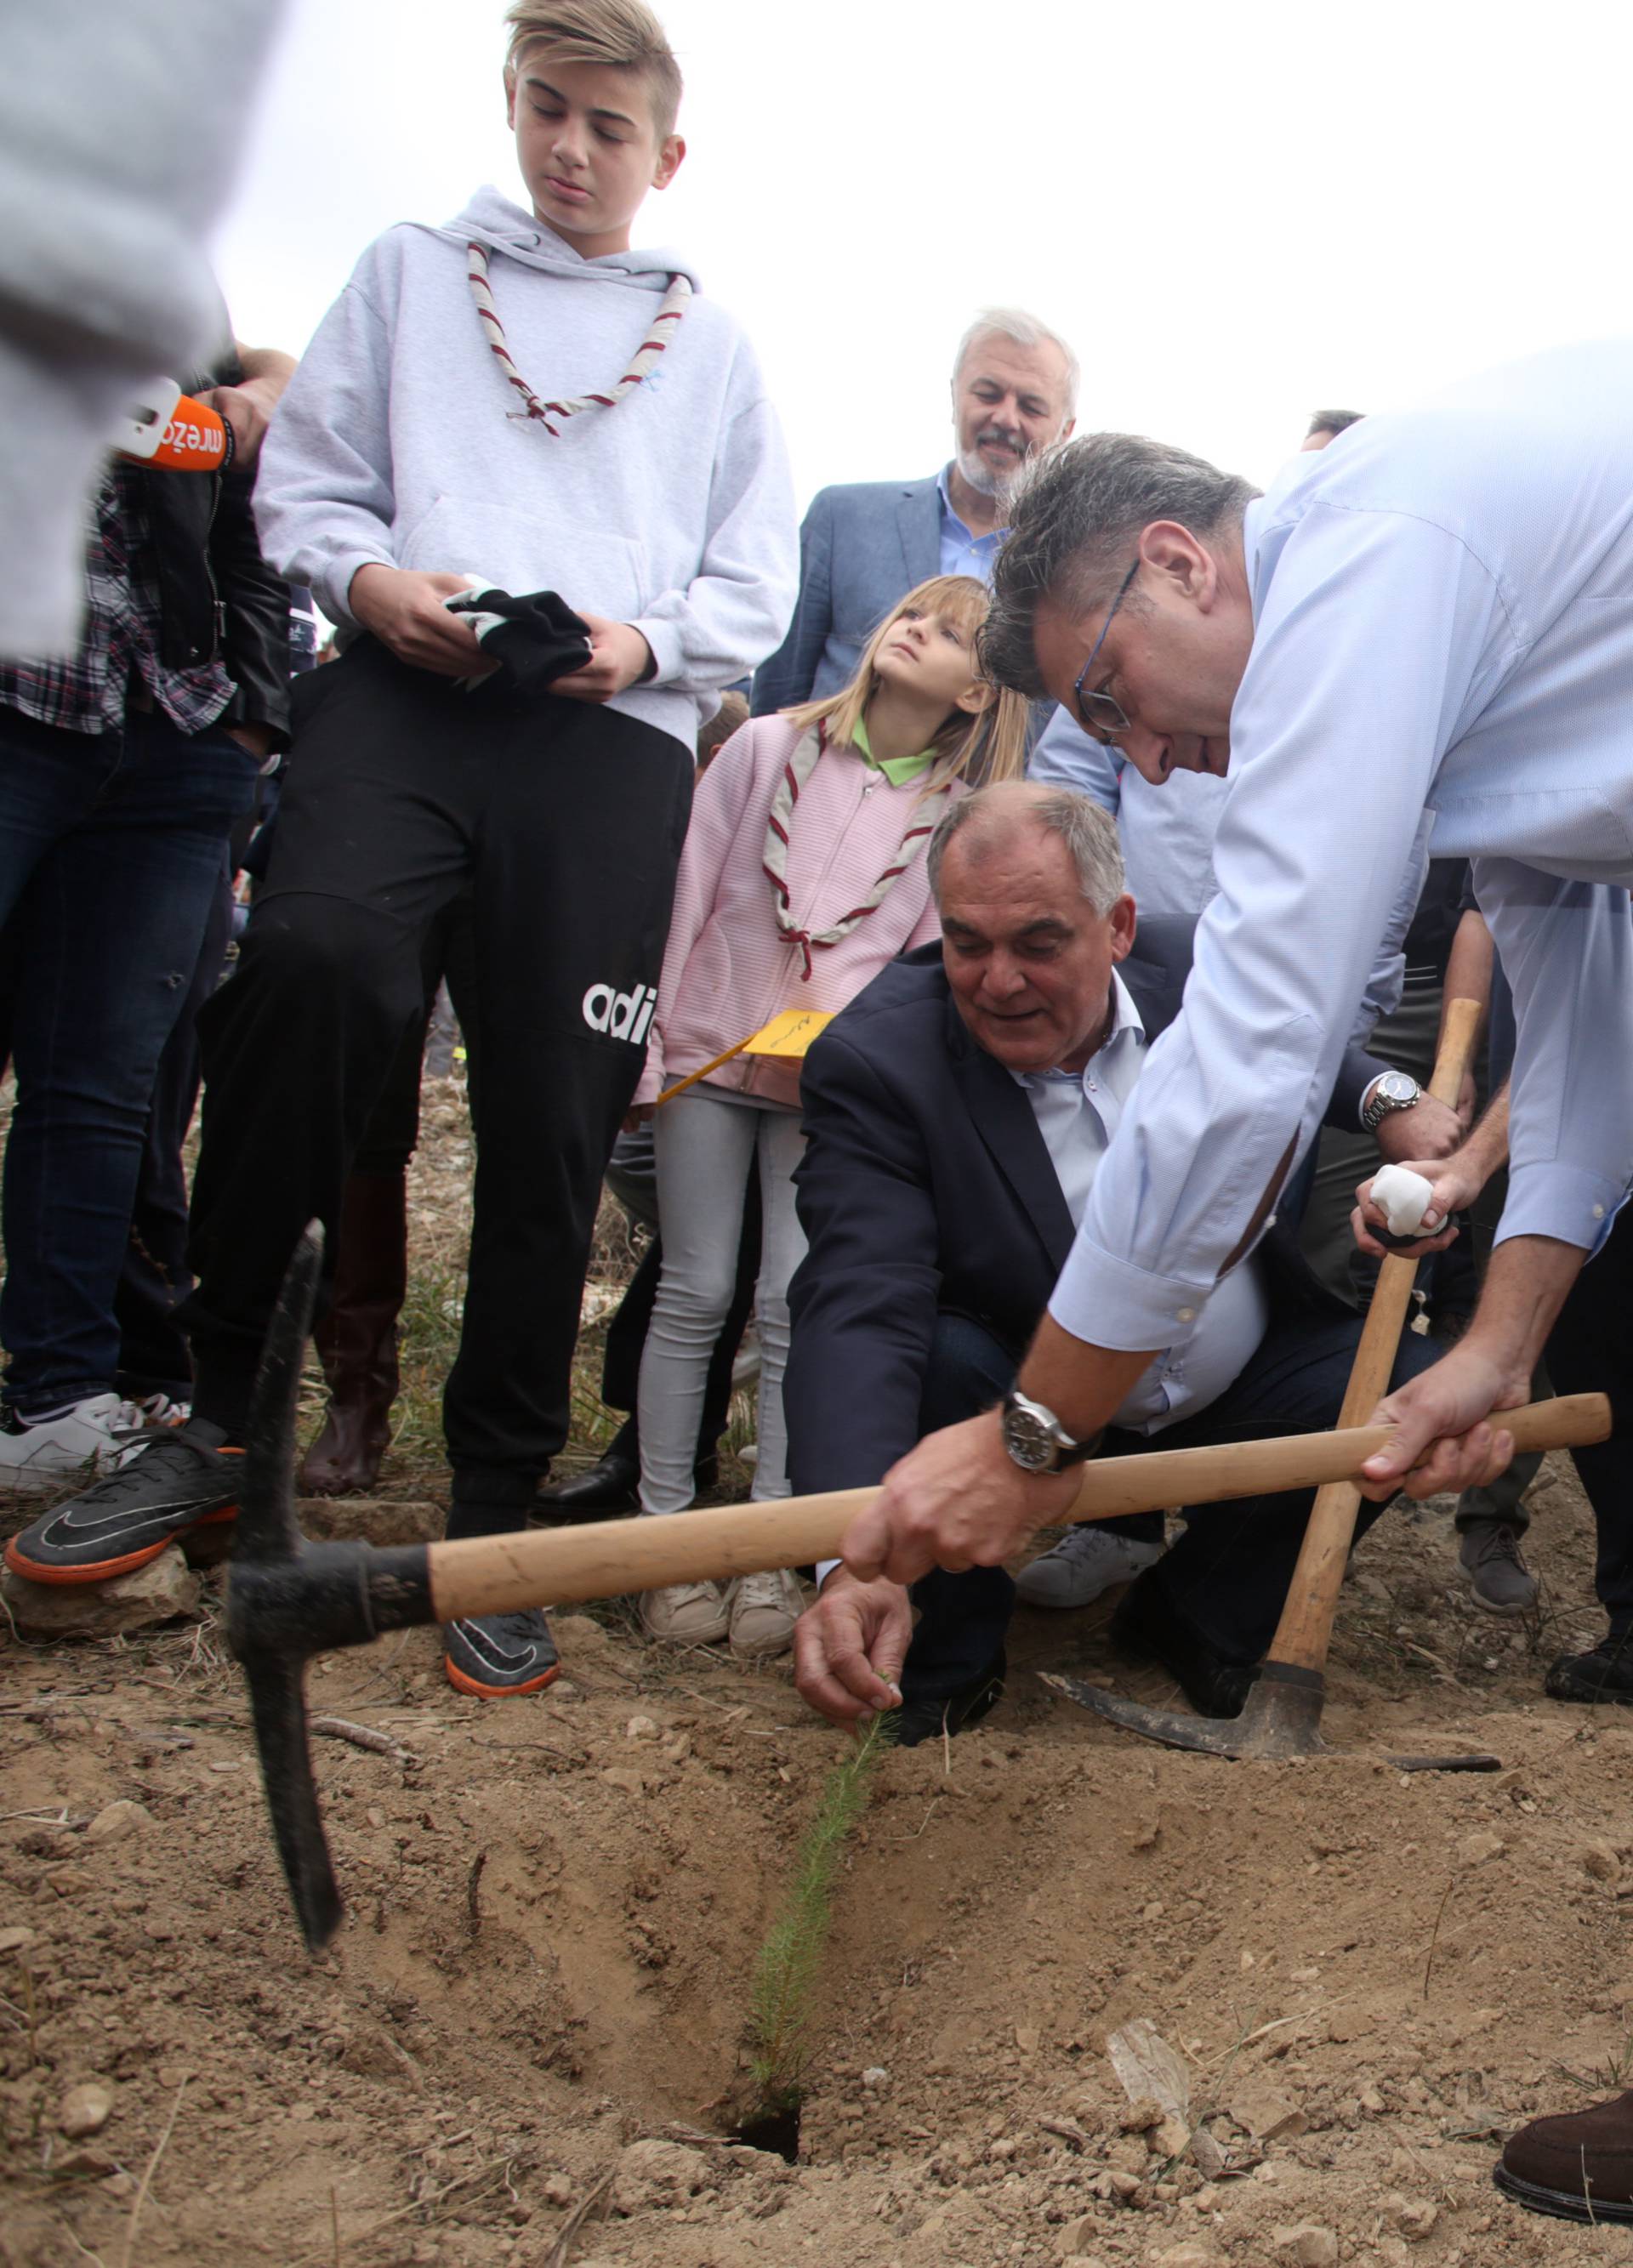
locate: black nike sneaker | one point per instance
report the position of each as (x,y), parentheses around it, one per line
(188,1476)
(495,1656)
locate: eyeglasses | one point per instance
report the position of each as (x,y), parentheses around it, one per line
(1101,717)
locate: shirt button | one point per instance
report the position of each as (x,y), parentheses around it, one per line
(1598,1212)
(1188,1314)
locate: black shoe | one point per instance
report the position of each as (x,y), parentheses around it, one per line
(1605,1675)
(611,1485)
(496,1656)
(186,1475)
(925,1717)
(1146,1626)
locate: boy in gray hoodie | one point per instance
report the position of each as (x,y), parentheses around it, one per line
(521,399)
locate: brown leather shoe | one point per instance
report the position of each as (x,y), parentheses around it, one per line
(1578,2164)
(357,1337)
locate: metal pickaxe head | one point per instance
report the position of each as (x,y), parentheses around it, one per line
(1281,1717)
(287,1600)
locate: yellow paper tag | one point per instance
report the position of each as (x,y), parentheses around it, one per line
(791,1033)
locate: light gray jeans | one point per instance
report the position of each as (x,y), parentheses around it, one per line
(706,1150)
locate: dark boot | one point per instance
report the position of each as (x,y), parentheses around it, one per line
(358,1339)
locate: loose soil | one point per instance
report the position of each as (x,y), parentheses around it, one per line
(528,2046)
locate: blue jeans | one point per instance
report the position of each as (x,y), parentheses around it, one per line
(1226,1578)
(111,848)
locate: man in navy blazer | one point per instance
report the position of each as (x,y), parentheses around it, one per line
(865,546)
(946,1158)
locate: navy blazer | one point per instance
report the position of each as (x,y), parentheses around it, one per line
(926,1185)
(861,548)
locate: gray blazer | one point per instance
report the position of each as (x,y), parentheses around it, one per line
(861,547)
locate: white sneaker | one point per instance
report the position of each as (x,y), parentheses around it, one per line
(82,1444)
(685,1613)
(764,1611)
(1083,1564)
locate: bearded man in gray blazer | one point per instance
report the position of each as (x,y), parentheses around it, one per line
(865,545)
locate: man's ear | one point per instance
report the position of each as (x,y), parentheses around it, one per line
(1187,566)
(1124,923)
(668,161)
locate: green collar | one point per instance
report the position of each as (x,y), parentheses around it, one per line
(897,769)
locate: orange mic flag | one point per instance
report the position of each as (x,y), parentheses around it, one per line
(174,431)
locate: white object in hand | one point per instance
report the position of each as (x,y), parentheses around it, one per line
(1402,1196)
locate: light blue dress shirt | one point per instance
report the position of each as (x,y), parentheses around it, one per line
(962,553)
(1443,606)
(1077,1113)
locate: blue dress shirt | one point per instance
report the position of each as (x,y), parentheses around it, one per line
(1443,607)
(962,553)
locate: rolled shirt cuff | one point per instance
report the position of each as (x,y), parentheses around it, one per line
(1566,1202)
(824,1568)
(1112,1303)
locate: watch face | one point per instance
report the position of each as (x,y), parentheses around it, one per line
(1399,1088)
(1028,1440)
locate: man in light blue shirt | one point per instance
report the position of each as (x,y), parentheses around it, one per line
(1434,615)
(865,545)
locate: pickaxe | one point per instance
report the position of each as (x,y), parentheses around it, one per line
(1282,1715)
(288,1599)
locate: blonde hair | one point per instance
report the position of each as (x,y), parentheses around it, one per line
(621,33)
(989,745)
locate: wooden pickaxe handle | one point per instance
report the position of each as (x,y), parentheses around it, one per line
(556,1566)
(1306,1630)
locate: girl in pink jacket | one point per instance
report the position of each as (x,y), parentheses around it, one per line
(803,874)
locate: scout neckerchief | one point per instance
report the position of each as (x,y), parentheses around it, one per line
(658,332)
(795,772)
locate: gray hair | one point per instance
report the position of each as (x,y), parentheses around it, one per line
(1085,827)
(1075,516)
(1026,331)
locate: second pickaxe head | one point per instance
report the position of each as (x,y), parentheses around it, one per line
(288,1599)
(1280,1719)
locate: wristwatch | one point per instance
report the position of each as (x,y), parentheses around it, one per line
(1396,1090)
(1036,1441)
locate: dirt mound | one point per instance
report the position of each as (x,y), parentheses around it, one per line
(537,2004)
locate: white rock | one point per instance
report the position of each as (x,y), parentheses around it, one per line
(876,2075)
(116,1821)
(15,1941)
(1308,2245)
(83,2110)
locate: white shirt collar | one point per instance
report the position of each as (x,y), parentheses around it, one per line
(1125,1018)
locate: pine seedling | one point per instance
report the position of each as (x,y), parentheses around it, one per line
(786,1967)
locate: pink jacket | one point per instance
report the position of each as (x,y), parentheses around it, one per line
(725,970)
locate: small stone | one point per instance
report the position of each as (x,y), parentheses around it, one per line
(1142,2116)
(17,1941)
(1370,2100)
(157,1593)
(1600,1861)
(1026,2038)
(556,2189)
(1077,2236)
(83,2110)
(225,1764)
(1264,2114)
(627,1778)
(1474,1849)
(1194,2253)
(116,1821)
(1171,2139)
(876,2075)
(376,1817)
(651,2174)
(1308,2245)
(1124,2186)
(1414,2217)
(641,1728)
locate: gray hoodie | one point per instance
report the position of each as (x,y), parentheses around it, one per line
(395,442)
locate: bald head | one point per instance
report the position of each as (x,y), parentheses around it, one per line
(975,826)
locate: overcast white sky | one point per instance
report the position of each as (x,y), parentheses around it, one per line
(1237,212)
